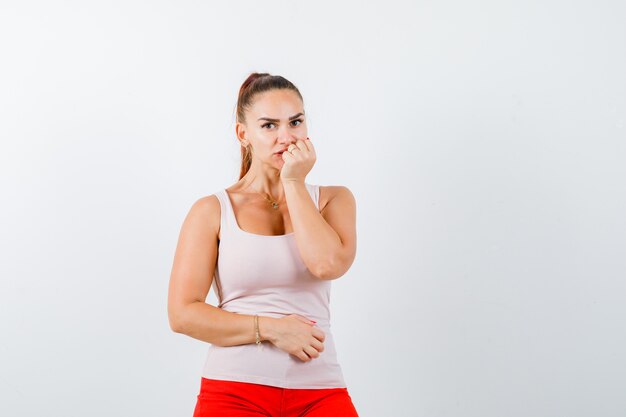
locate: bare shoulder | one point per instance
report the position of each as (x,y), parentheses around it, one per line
(329,192)
(206,212)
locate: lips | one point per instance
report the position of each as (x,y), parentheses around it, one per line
(280,152)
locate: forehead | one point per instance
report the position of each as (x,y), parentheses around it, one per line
(276,103)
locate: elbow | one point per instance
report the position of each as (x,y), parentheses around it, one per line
(334,268)
(328,271)
(176,327)
(175,320)
(329,275)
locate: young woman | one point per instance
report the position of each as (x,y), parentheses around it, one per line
(270,246)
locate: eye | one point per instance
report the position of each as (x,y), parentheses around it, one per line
(269,123)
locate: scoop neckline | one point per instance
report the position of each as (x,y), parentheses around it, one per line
(245,231)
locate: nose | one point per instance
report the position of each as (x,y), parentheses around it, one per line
(286,138)
(288,142)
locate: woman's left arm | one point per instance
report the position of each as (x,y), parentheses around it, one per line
(326,239)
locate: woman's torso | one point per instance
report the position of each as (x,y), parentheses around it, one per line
(259,273)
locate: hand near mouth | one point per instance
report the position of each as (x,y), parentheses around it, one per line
(299,159)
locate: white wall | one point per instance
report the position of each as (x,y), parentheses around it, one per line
(484,142)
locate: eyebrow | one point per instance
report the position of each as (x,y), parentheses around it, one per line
(276,120)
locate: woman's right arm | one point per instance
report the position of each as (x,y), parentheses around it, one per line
(191,279)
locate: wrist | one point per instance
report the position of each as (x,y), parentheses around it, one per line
(266,328)
(292,181)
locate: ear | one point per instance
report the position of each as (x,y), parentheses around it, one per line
(240,131)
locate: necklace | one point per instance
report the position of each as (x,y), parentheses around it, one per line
(274,203)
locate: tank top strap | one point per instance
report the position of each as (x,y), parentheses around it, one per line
(227,217)
(314,191)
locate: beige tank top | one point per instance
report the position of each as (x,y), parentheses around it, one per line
(265,275)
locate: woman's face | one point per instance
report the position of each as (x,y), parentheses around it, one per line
(274,121)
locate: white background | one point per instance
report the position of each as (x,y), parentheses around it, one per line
(484,142)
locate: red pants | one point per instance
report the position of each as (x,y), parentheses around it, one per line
(244,399)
